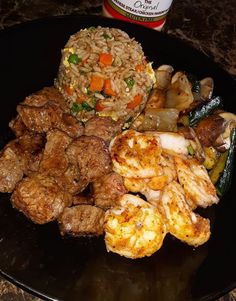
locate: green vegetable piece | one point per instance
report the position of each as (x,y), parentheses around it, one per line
(106,36)
(190,150)
(204,109)
(196,87)
(225,180)
(130,82)
(218,169)
(76,107)
(149,89)
(74,59)
(93,102)
(86,106)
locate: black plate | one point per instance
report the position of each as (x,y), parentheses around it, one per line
(38,259)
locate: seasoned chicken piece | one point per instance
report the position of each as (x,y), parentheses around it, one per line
(172,143)
(151,187)
(136,155)
(46,110)
(81,220)
(56,163)
(92,157)
(196,182)
(17,126)
(40,198)
(20,156)
(107,190)
(103,127)
(181,221)
(134,229)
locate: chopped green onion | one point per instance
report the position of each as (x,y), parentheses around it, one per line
(190,150)
(92,28)
(86,106)
(76,107)
(74,59)
(106,36)
(149,89)
(130,82)
(94,101)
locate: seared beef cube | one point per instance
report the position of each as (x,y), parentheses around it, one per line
(107,190)
(40,198)
(20,156)
(17,126)
(82,199)
(46,110)
(54,161)
(91,155)
(103,127)
(81,220)
(11,170)
(43,96)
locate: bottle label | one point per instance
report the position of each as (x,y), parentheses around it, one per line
(151,13)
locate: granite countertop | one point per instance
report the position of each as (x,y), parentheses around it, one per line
(209,26)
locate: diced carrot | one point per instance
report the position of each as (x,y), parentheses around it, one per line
(96,83)
(99,106)
(106,59)
(81,98)
(107,88)
(139,67)
(135,102)
(69,90)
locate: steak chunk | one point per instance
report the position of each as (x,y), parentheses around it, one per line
(91,155)
(40,198)
(20,156)
(44,111)
(81,220)
(103,127)
(107,190)
(56,163)
(17,126)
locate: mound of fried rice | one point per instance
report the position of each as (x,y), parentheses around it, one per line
(104,72)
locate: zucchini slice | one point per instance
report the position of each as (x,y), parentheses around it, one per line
(224,182)
(204,109)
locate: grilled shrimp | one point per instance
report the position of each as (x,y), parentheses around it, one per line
(136,155)
(134,229)
(196,183)
(181,221)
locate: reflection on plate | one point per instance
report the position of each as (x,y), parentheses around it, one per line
(37,258)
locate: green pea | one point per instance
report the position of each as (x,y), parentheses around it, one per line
(74,59)
(130,82)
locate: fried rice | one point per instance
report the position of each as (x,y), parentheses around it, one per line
(104,72)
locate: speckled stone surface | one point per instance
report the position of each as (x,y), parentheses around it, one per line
(209,26)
